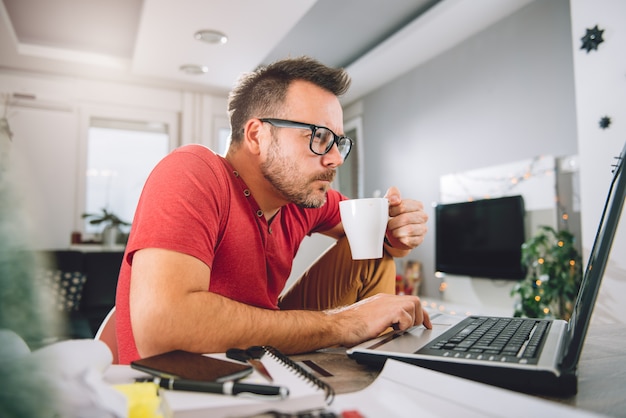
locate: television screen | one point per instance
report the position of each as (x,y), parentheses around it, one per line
(482,238)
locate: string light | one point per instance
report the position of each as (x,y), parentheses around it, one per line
(502,185)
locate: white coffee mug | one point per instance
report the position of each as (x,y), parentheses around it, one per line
(365,223)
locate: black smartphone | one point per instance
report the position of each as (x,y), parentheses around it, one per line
(192,366)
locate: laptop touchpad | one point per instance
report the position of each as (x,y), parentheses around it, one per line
(416,337)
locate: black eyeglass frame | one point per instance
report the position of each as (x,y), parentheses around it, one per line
(284,123)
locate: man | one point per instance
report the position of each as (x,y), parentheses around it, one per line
(213,238)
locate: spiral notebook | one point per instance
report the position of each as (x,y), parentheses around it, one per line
(306,392)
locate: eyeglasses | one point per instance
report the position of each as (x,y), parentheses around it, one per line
(322,138)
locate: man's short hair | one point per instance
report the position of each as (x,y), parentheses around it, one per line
(262,92)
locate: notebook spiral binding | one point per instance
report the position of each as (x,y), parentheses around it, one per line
(299,370)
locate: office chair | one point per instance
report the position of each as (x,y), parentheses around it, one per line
(106,334)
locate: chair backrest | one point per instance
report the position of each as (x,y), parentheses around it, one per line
(106,333)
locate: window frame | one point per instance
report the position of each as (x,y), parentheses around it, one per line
(356,156)
(87,113)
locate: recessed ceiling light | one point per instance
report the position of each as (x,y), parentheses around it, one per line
(211,36)
(194,69)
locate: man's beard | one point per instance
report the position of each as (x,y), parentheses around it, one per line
(283,173)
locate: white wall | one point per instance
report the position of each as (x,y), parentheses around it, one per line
(601,91)
(520,89)
(50,133)
(503,95)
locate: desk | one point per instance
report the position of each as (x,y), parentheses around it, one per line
(601,372)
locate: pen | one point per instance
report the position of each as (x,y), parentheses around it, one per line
(226,388)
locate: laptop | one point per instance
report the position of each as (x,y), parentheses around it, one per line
(545,359)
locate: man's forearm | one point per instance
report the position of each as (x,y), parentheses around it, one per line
(206,322)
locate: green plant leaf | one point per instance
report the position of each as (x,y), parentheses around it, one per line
(549,253)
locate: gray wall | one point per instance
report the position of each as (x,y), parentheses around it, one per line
(503,95)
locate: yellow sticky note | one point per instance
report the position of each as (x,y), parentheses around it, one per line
(143,399)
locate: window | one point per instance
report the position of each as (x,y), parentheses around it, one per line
(349,175)
(120,156)
(223,140)
(222,134)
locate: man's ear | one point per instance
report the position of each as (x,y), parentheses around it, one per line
(253,135)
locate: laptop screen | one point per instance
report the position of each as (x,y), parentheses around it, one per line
(596,265)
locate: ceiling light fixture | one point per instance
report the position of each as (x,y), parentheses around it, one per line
(194,69)
(211,36)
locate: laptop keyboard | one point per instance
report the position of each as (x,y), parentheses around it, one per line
(510,340)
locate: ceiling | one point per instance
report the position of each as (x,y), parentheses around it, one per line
(146,41)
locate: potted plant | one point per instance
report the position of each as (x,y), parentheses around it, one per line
(111,223)
(554,273)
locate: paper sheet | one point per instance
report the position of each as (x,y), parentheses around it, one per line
(403,390)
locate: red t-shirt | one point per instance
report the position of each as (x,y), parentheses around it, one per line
(194,203)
